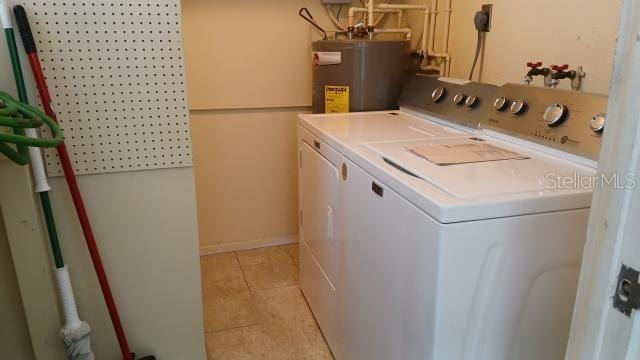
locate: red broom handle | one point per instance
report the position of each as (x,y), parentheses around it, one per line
(36,68)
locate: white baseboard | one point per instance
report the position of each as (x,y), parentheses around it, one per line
(249,244)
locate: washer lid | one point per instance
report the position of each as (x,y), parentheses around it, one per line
(377,126)
(481,168)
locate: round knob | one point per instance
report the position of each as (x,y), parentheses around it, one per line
(597,122)
(438,94)
(459,98)
(472,101)
(555,114)
(518,107)
(500,103)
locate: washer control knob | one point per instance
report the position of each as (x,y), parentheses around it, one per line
(472,101)
(438,94)
(597,123)
(555,114)
(500,104)
(459,98)
(518,107)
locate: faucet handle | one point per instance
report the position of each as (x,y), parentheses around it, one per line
(560,67)
(534,65)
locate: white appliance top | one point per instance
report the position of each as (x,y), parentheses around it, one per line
(380,126)
(456,193)
(533,175)
(547,180)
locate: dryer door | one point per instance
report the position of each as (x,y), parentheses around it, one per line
(319,244)
(319,194)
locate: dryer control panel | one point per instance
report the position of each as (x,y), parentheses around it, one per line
(570,121)
(457,101)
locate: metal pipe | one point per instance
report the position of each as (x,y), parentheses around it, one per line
(399,18)
(354,10)
(445,41)
(432,23)
(425,31)
(429,19)
(405,31)
(402,6)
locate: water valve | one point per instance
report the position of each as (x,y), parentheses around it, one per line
(559,72)
(535,70)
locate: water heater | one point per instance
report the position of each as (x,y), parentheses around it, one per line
(359,74)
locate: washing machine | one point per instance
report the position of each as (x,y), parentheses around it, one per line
(450,246)
(322,171)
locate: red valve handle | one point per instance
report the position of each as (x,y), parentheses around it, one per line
(559,67)
(534,65)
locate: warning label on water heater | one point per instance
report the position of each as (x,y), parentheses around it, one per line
(336,99)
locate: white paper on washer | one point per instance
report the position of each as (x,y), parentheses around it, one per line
(462,151)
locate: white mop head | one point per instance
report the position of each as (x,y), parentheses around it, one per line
(74,333)
(77,342)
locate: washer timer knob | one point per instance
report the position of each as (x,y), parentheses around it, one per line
(438,94)
(597,122)
(458,98)
(518,107)
(500,104)
(472,101)
(555,114)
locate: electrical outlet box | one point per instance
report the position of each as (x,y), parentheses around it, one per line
(488,8)
(336,2)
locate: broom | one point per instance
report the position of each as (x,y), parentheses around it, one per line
(75,333)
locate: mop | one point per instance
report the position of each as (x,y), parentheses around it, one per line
(32,54)
(74,333)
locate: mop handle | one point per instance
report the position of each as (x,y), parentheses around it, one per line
(31,50)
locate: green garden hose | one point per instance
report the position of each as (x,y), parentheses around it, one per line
(20,116)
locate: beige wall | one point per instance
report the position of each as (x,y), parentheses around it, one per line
(248,69)
(248,75)
(245,176)
(574,32)
(15,342)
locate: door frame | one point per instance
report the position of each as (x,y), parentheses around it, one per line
(598,330)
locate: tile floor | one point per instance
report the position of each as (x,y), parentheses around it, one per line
(254,309)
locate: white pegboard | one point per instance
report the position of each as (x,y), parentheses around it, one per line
(115,70)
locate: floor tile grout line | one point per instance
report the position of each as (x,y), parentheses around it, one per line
(244,277)
(233,328)
(297,284)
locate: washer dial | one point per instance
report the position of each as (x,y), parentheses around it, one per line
(438,94)
(500,104)
(518,107)
(471,102)
(458,98)
(597,122)
(555,114)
